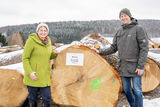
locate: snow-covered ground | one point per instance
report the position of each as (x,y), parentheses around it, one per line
(152,103)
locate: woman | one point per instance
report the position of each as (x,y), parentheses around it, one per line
(36,62)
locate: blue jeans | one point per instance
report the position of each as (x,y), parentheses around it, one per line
(135,96)
(44,92)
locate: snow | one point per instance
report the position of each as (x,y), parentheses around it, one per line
(154,56)
(86,41)
(151,103)
(63,47)
(156,40)
(8,56)
(18,67)
(59,49)
(110,39)
(90,41)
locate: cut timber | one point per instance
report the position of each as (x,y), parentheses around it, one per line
(150,45)
(95,40)
(151,78)
(96,46)
(12,90)
(156,45)
(11,58)
(155,57)
(94,83)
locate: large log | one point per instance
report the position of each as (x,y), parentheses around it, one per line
(12,90)
(151,78)
(155,57)
(92,83)
(11,58)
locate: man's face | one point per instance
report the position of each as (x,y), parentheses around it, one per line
(125,19)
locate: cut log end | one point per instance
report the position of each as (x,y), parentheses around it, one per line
(151,78)
(94,82)
(11,85)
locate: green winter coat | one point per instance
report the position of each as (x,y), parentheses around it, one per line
(36,58)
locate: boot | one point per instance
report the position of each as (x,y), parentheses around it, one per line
(45,105)
(33,104)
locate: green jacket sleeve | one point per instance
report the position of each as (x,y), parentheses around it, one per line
(53,55)
(143,46)
(26,56)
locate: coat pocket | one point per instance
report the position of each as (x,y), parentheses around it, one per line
(131,65)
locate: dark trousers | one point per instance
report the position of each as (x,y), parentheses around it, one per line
(44,92)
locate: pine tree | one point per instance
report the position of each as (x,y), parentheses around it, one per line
(3,40)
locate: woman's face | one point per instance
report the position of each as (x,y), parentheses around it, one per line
(42,32)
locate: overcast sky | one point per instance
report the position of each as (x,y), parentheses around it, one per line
(15,12)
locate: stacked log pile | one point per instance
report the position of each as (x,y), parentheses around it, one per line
(11,58)
(81,77)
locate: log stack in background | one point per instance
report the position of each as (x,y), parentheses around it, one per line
(12,90)
(95,84)
(11,58)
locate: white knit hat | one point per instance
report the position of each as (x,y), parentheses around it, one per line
(40,25)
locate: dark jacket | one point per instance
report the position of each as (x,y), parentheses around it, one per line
(132,45)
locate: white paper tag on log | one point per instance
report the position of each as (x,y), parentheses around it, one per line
(75,59)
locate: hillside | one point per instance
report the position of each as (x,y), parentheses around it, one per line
(66,32)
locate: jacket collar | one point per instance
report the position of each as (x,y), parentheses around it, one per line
(133,23)
(35,37)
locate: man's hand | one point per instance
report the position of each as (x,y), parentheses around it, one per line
(33,76)
(139,71)
(94,49)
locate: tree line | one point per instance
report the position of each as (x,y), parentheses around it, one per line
(68,31)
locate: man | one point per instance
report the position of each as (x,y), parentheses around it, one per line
(132,45)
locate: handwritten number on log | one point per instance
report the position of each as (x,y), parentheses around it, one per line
(96,84)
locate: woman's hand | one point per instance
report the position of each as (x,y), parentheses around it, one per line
(33,76)
(56,51)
